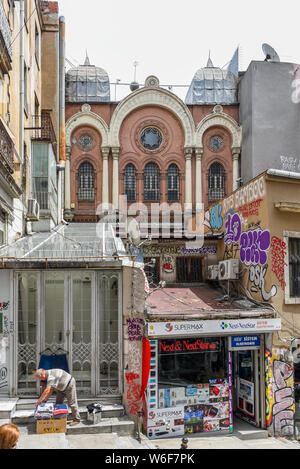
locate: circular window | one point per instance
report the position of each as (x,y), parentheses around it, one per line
(216,143)
(151,138)
(86,142)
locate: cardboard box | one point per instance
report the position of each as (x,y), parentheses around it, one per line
(51,426)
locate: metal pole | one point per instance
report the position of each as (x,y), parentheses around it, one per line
(62,132)
(22,92)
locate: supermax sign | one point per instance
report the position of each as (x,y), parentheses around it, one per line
(224,327)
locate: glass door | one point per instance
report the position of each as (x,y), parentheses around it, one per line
(246,378)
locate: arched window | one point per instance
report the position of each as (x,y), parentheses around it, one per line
(151,182)
(216,182)
(130,182)
(86,182)
(173,183)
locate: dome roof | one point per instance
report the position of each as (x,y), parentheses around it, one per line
(87,84)
(212,85)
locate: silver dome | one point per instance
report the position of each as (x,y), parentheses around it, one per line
(213,85)
(87,84)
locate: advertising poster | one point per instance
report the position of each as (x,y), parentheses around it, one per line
(165,423)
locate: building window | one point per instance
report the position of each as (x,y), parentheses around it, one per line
(86,182)
(151,182)
(130,182)
(173,183)
(294,267)
(151,138)
(216,182)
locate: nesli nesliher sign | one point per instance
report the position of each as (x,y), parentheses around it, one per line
(221,327)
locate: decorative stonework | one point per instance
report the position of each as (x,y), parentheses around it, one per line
(86,108)
(219,120)
(152,97)
(161,127)
(152,82)
(87,118)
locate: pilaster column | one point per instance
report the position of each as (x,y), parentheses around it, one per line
(235,167)
(199,153)
(105,153)
(115,188)
(67,195)
(188,175)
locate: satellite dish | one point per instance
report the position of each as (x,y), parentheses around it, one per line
(270,53)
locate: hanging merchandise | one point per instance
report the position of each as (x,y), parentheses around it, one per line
(51,360)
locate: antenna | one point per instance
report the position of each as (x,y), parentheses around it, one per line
(270,53)
(134,85)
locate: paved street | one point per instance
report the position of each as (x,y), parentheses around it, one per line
(112,441)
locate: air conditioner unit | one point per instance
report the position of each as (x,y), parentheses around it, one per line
(229,269)
(33,211)
(212,272)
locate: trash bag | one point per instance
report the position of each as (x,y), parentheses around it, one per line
(94,408)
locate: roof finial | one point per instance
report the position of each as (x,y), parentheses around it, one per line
(87,62)
(209,62)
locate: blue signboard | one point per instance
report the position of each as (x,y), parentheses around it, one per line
(245,341)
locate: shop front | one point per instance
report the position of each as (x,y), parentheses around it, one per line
(202,375)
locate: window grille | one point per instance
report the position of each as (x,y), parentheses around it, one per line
(173,183)
(294,266)
(86,182)
(130,182)
(151,182)
(216,182)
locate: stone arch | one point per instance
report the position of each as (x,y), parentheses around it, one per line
(86,117)
(219,119)
(154,96)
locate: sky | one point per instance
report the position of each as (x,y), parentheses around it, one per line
(172,39)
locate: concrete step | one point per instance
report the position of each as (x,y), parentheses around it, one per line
(119,425)
(7,407)
(25,414)
(255,434)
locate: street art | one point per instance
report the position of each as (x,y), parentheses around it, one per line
(257,275)
(252,192)
(134,328)
(278,255)
(289,163)
(280,407)
(216,219)
(133,392)
(251,209)
(283,408)
(3,377)
(134,356)
(233,229)
(254,245)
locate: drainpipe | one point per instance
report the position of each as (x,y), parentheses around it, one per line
(22,96)
(62,132)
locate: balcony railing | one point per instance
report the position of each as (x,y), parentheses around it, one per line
(43,129)
(6,149)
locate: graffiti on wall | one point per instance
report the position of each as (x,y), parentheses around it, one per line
(280,407)
(283,408)
(278,256)
(133,392)
(257,274)
(134,328)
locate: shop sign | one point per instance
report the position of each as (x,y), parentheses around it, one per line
(225,327)
(244,342)
(187,345)
(163,423)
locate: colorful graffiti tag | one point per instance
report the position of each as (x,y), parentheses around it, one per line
(133,392)
(283,408)
(278,255)
(280,407)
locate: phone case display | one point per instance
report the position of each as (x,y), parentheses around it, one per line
(171,397)
(152,396)
(212,415)
(165,423)
(245,396)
